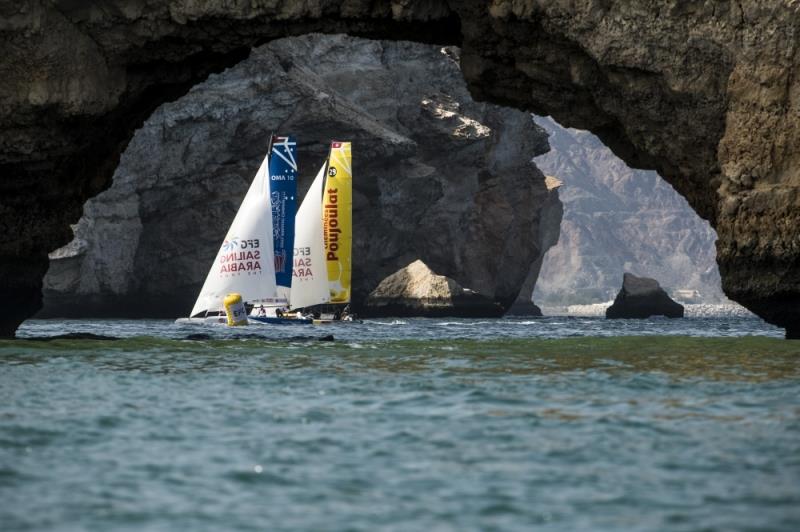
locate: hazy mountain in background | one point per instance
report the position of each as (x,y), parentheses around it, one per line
(618,220)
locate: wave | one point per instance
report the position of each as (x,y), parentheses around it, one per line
(692,310)
(390,323)
(725,310)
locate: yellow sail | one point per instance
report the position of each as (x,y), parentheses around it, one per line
(337,221)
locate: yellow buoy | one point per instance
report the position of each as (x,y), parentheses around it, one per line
(234,310)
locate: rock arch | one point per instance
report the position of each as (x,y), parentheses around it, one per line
(705,93)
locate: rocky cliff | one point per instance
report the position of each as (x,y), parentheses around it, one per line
(704,92)
(617,219)
(437,176)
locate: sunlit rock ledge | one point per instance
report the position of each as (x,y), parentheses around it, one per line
(417,291)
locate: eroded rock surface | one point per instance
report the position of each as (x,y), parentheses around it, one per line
(416,290)
(704,92)
(437,176)
(642,297)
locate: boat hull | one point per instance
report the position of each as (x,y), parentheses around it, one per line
(208,320)
(329,322)
(216,320)
(281,321)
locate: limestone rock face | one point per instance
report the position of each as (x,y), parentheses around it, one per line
(641,297)
(417,291)
(436,176)
(704,92)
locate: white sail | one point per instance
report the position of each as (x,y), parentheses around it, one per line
(310,278)
(245,262)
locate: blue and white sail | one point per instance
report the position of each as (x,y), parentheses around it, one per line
(283,193)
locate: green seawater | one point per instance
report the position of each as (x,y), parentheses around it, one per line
(402,425)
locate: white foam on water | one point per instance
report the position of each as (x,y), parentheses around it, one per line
(725,310)
(594,309)
(691,310)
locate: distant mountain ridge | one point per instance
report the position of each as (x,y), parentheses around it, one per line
(617,219)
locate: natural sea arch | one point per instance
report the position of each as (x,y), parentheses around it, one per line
(705,93)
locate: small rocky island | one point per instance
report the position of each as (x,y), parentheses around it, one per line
(417,291)
(642,297)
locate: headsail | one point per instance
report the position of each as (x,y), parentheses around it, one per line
(245,261)
(283,192)
(337,211)
(310,282)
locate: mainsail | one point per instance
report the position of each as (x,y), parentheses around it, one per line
(245,261)
(283,190)
(337,221)
(310,282)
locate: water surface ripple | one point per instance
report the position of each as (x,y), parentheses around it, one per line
(554,424)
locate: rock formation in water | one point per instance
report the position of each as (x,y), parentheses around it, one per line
(549,230)
(437,176)
(703,92)
(640,298)
(618,219)
(417,291)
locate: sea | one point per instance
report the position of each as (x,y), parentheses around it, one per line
(518,424)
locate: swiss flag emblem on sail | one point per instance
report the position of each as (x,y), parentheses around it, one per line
(336,144)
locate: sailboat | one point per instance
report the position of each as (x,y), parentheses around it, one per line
(283,192)
(324,235)
(309,261)
(251,262)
